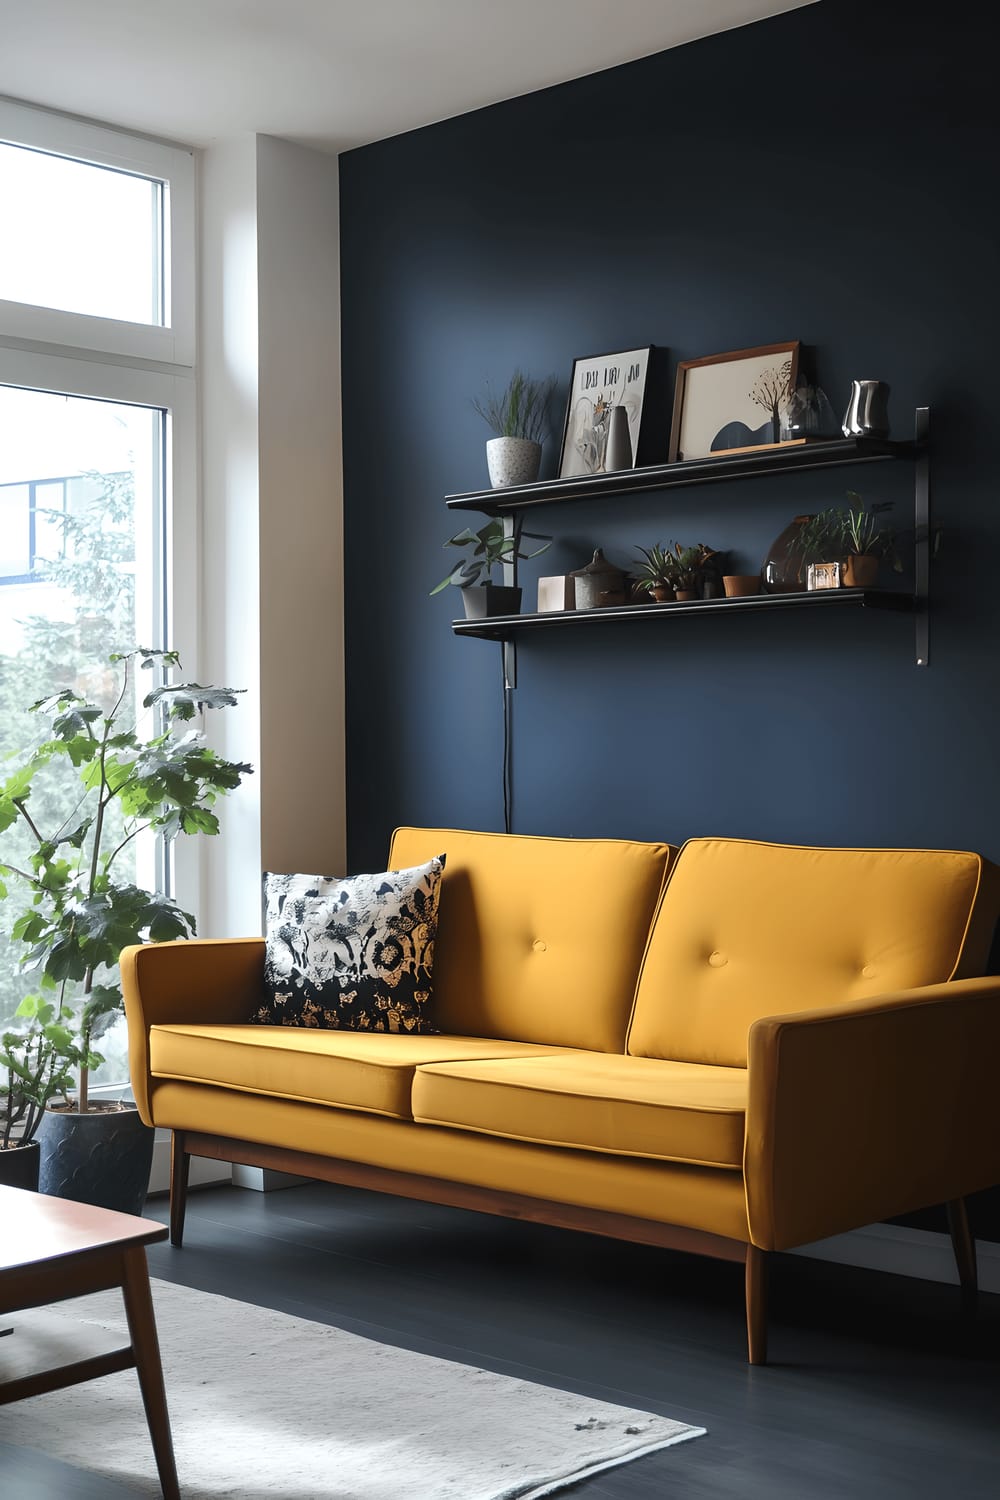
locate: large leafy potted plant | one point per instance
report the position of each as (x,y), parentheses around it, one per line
(79,909)
(491,545)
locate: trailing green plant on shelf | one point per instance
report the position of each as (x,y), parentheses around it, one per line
(491,546)
(840,532)
(520,410)
(78,912)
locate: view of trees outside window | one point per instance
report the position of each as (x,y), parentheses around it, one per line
(80,501)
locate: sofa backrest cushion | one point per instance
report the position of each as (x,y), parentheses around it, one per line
(539,939)
(745,930)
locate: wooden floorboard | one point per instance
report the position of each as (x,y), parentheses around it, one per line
(877,1388)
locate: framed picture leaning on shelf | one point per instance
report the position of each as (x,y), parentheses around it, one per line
(599,384)
(732,403)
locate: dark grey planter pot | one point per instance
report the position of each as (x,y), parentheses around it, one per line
(102,1157)
(483,600)
(19,1166)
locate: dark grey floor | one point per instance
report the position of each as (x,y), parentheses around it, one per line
(877,1388)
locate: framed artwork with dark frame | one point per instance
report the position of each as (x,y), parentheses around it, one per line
(732,403)
(599,384)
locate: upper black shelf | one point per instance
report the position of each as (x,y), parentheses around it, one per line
(821,455)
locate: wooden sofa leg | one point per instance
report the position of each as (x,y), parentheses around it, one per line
(756,1283)
(180,1161)
(964,1247)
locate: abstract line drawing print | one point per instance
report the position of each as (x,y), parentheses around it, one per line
(599,384)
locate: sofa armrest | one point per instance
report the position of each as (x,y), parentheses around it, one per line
(187,982)
(858,1112)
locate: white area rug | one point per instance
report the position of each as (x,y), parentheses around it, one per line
(263,1404)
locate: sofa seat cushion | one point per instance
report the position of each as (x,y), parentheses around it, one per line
(351,1070)
(628,1106)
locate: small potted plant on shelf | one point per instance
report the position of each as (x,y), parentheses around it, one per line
(655,574)
(867,541)
(518,416)
(491,545)
(98,777)
(687,569)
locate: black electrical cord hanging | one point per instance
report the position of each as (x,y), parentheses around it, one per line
(508,742)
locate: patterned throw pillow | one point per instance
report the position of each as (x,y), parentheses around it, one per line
(353,954)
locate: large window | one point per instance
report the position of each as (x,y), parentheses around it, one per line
(97,506)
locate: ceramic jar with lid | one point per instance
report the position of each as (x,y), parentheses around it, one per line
(597,578)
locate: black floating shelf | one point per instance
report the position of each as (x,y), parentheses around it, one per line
(820,455)
(503,627)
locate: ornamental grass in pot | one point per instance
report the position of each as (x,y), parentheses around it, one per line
(518,415)
(125,770)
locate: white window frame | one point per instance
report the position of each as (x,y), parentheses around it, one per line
(76,355)
(174,344)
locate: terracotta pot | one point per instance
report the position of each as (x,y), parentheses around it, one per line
(860,572)
(662,594)
(738,585)
(682,594)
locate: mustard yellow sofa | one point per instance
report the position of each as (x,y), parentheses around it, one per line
(734,1049)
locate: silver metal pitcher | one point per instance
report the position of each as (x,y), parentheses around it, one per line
(868,412)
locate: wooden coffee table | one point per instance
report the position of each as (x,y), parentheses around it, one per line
(51,1249)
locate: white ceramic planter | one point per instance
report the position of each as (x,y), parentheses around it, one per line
(512,460)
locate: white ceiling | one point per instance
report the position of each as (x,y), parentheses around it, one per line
(327,73)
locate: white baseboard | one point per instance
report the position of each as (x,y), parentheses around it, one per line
(203,1171)
(905,1252)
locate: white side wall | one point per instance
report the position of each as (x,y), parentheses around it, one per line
(230,548)
(272,568)
(301,510)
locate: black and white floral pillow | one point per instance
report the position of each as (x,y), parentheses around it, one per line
(351,954)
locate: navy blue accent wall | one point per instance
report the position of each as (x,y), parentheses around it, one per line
(827,175)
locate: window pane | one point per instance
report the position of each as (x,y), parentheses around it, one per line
(80,238)
(83,480)
(15,536)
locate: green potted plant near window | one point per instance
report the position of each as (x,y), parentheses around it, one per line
(518,416)
(79,911)
(491,545)
(33,1070)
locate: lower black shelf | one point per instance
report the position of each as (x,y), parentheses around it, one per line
(502,627)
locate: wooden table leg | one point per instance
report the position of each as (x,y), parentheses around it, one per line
(142,1327)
